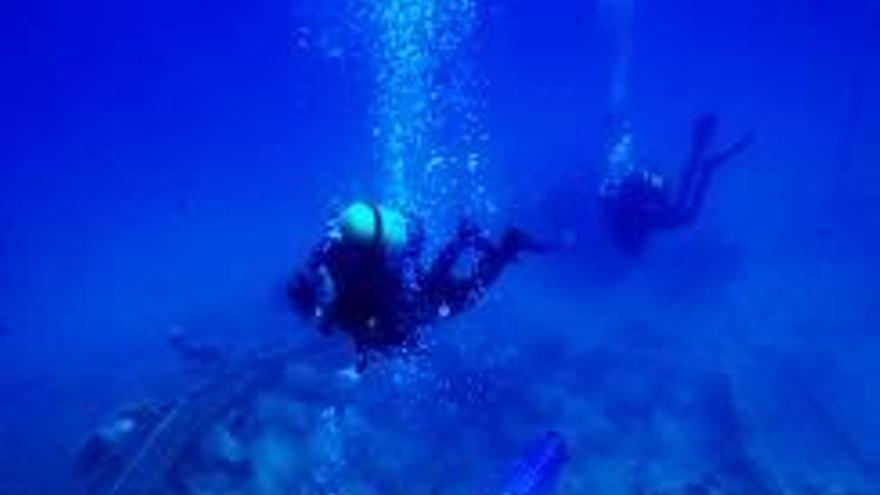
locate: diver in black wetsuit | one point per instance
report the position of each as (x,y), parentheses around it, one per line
(639,202)
(367,277)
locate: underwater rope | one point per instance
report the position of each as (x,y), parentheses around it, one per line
(537,469)
(148,470)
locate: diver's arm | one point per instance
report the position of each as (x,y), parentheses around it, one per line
(307,297)
(321,253)
(307,288)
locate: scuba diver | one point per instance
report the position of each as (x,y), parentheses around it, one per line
(367,277)
(636,201)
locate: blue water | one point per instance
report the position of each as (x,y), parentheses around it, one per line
(166,165)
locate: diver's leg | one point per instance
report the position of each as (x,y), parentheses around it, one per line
(444,262)
(443,293)
(491,262)
(707,167)
(494,258)
(688,212)
(704,131)
(732,151)
(448,295)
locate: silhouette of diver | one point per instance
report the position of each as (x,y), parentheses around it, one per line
(367,277)
(639,202)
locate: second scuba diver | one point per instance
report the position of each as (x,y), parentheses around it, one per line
(367,277)
(638,202)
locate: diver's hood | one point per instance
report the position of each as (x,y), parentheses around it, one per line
(371,225)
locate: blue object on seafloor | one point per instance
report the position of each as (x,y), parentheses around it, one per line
(535,472)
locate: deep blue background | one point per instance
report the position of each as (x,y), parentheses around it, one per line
(167,163)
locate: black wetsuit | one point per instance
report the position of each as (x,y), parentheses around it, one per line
(371,299)
(641,204)
(381,299)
